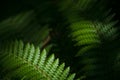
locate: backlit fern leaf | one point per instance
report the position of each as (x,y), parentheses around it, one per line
(26,62)
(90,34)
(93,38)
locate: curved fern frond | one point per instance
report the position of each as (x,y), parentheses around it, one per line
(90,34)
(20,25)
(81,5)
(19,61)
(14,23)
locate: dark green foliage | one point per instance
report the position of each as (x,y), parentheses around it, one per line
(20,25)
(83,34)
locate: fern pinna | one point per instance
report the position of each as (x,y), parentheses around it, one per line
(20,61)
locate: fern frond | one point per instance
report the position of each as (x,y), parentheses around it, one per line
(20,61)
(91,35)
(14,23)
(81,5)
(93,38)
(20,25)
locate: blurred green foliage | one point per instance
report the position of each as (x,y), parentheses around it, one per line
(82,33)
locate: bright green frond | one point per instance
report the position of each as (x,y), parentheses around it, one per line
(26,61)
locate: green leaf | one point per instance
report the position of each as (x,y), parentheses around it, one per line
(24,61)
